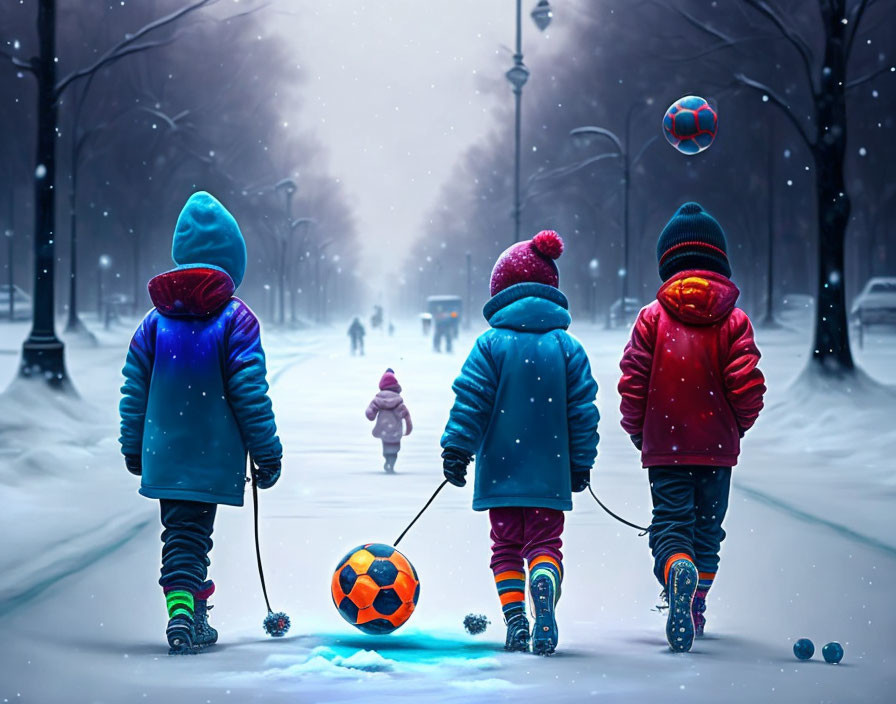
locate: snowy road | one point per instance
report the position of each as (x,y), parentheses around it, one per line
(97,635)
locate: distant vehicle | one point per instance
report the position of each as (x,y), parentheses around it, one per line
(876,304)
(623,316)
(21,302)
(447,311)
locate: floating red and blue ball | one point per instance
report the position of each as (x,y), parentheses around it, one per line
(690,124)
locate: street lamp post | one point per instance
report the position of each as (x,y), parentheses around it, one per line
(593,269)
(10,238)
(103,264)
(293,312)
(517,76)
(468,319)
(288,187)
(583,135)
(319,285)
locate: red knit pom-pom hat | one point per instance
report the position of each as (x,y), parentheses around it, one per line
(531,261)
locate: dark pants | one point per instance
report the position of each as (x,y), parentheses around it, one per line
(689,504)
(524,533)
(186,542)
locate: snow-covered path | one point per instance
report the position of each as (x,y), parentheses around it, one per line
(97,636)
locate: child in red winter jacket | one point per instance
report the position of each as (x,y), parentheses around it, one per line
(690,389)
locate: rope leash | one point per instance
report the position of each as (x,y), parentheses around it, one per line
(276,623)
(425,506)
(264,589)
(642,529)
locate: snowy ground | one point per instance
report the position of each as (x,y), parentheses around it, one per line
(810,550)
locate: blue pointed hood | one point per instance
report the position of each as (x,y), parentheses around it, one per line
(207,234)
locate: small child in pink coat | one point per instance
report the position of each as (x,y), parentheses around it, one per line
(388,409)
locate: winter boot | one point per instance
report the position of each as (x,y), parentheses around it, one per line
(544,634)
(389,466)
(205,634)
(517,640)
(697,609)
(181,632)
(681,584)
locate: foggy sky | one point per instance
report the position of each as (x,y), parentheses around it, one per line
(396,91)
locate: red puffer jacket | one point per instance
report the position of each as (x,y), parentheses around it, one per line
(690,385)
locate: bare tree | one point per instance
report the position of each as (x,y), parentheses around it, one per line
(823,129)
(43,354)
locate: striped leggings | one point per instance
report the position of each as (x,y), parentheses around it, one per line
(523,535)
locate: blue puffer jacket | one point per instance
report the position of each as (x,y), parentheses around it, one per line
(525,403)
(195,393)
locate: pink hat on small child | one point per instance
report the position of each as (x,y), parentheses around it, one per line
(388,381)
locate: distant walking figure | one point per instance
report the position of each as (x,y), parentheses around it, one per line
(356,332)
(388,409)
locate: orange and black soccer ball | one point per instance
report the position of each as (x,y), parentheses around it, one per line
(375,588)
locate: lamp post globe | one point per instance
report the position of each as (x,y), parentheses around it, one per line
(542,14)
(517,76)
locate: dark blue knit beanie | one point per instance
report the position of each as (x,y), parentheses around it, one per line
(692,239)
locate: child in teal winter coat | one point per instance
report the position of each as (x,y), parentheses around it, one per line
(525,408)
(194,403)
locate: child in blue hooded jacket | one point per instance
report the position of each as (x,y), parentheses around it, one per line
(525,408)
(194,404)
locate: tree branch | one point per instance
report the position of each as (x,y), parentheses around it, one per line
(870,76)
(127,45)
(92,70)
(17,62)
(702,26)
(855,19)
(789,34)
(777,100)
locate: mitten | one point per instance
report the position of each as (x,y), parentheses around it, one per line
(134,463)
(454,465)
(267,472)
(637,440)
(580,480)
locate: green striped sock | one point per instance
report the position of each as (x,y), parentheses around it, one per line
(179,602)
(544,566)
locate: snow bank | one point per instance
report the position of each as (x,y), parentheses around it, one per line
(824,449)
(66,497)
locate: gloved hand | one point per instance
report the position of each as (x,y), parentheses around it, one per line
(134,463)
(580,480)
(741,432)
(266,473)
(637,440)
(454,466)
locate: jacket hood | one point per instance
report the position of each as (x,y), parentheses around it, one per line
(207,234)
(387,400)
(389,381)
(191,291)
(528,307)
(698,297)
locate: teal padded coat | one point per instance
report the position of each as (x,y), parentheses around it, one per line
(525,403)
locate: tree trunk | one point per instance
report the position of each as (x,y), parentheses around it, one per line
(74,322)
(43,353)
(832,354)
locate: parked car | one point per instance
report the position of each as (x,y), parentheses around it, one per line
(21,302)
(875,305)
